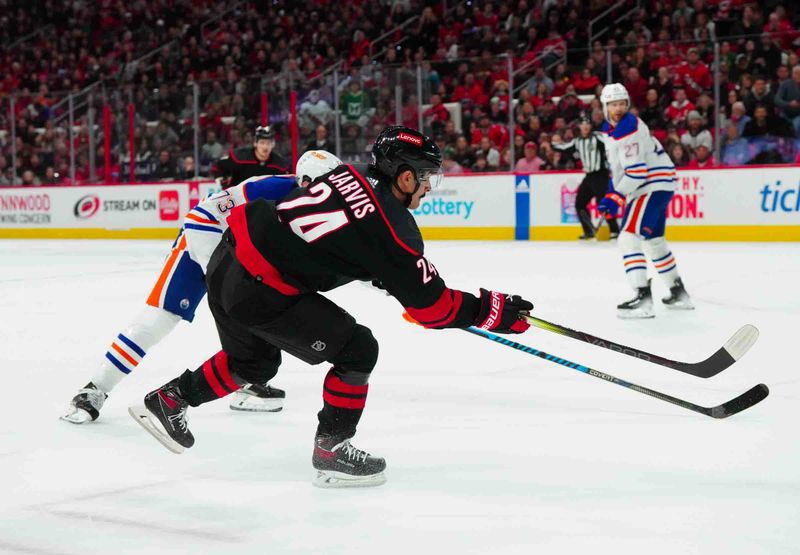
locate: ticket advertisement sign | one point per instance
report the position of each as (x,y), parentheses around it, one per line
(759,203)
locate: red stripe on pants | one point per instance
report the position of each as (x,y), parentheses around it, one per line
(631,227)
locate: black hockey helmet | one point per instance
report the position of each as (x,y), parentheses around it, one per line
(399,148)
(264,132)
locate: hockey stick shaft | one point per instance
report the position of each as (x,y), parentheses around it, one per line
(733,350)
(740,403)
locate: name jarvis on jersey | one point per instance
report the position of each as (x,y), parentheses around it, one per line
(354,193)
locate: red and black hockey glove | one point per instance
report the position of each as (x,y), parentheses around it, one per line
(501,313)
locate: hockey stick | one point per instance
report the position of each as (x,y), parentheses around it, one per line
(733,350)
(744,401)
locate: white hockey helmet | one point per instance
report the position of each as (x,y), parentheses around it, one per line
(611,93)
(315,163)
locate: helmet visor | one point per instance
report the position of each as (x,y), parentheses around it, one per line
(433,176)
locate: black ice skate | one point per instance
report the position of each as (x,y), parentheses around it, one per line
(641,306)
(678,297)
(340,465)
(258,398)
(164,417)
(86,405)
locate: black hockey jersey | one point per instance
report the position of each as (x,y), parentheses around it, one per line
(242,163)
(341,229)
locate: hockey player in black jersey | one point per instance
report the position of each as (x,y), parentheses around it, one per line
(264,281)
(250,161)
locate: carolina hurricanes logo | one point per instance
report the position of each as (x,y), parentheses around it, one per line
(409,138)
(318,345)
(87,206)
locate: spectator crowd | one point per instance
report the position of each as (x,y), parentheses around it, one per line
(152,54)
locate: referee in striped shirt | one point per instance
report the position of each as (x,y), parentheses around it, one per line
(589,147)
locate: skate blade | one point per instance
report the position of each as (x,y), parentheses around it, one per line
(329,479)
(75,415)
(635,314)
(680,305)
(250,403)
(141,415)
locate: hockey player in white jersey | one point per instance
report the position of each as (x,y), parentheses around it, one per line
(180,288)
(643,180)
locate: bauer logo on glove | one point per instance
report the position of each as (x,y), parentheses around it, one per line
(501,313)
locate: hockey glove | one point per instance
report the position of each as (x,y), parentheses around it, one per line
(611,203)
(501,313)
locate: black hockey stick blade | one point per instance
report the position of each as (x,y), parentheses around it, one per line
(734,349)
(744,401)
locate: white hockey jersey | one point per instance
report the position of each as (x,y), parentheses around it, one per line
(638,163)
(205,223)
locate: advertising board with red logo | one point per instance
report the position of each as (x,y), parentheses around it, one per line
(726,203)
(111,208)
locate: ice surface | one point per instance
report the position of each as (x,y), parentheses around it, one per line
(489,450)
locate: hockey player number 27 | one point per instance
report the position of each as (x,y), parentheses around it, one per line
(313,226)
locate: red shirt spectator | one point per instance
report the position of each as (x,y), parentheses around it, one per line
(694,75)
(498,134)
(702,159)
(679,108)
(636,86)
(586,82)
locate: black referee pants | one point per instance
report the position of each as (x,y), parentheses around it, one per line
(594,185)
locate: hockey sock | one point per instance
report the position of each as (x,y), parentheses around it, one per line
(343,405)
(633,259)
(660,255)
(149,327)
(211,381)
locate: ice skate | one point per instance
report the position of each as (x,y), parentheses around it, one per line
(258,398)
(163,415)
(86,405)
(678,297)
(641,306)
(340,465)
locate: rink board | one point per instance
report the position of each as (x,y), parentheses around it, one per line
(732,204)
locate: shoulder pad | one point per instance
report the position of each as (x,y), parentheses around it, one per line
(627,126)
(604,127)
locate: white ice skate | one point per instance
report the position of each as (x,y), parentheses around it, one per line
(86,405)
(258,398)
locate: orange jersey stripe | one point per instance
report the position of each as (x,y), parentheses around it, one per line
(125,355)
(670,260)
(200,220)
